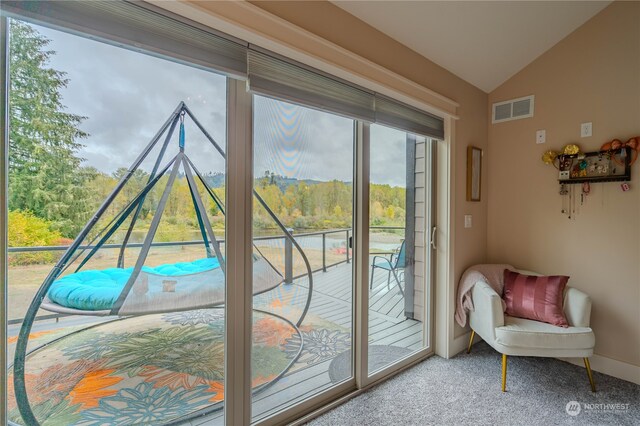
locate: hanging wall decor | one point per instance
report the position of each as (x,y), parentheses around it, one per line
(612,163)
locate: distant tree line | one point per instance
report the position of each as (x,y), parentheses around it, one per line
(52,195)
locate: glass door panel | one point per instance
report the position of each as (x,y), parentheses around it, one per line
(123,334)
(398,257)
(302,280)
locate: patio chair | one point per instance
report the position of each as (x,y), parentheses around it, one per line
(394,266)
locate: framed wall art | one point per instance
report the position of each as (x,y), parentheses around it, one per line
(474,173)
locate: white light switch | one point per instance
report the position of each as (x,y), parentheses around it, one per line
(586,130)
(467,221)
(541,136)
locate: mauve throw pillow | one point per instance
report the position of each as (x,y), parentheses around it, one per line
(536,298)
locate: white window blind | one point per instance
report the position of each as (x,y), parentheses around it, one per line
(143,27)
(396,114)
(274,77)
(280,78)
(140,28)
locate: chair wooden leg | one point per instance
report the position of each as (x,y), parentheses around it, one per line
(473,333)
(590,374)
(504,373)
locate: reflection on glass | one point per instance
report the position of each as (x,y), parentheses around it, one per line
(397,257)
(302,218)
(128,333)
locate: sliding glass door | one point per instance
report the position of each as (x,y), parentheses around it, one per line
(303,280)
(399,252)
(186,226)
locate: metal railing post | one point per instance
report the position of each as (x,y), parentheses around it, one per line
(324,252)
(347,246)
(288,260)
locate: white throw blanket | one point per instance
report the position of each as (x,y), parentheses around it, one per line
(492,274)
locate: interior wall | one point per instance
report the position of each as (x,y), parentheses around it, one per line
(339,27)
(593,75)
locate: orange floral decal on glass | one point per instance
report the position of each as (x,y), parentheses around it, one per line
(92,388)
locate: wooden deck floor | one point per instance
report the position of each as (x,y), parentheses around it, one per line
(331,306)
(331,301)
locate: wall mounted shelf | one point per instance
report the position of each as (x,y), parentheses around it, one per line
(597,166)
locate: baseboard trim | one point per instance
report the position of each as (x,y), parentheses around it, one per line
(461,343)
(599,363)
(611,367)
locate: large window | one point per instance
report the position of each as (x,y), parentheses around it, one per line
(186,233)
(81,113)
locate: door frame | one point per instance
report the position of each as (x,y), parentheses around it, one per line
(239,226)
(4,192)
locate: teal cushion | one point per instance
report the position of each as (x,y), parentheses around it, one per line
(96,290)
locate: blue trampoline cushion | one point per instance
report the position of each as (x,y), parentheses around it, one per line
(96,290)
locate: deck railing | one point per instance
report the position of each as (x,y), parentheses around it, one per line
(289,276)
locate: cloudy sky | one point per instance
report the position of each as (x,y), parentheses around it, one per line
(127,96)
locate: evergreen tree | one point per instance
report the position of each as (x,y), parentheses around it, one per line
(45,173)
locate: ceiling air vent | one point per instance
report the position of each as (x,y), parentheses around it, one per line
(514,109)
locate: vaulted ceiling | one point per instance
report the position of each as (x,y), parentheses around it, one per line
(482,42)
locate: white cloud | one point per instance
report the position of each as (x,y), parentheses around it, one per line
(126,96)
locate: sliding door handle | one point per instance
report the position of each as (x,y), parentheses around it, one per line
(433,238)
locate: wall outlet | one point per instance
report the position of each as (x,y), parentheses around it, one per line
(541,136)
(586,130)
(467,221)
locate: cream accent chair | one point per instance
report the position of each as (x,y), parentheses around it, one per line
(522,337)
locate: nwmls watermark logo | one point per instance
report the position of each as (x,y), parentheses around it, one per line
(573,408)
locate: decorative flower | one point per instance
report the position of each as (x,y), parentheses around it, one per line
(549,157)
(173,380)
(319,345)
(271,331)
(57,381)
(571,149)
(146,405)
(50,388)
(200,316)
(93,386)
(191,350)
(125,375)
(50,413)
(217,388)
(88,344)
